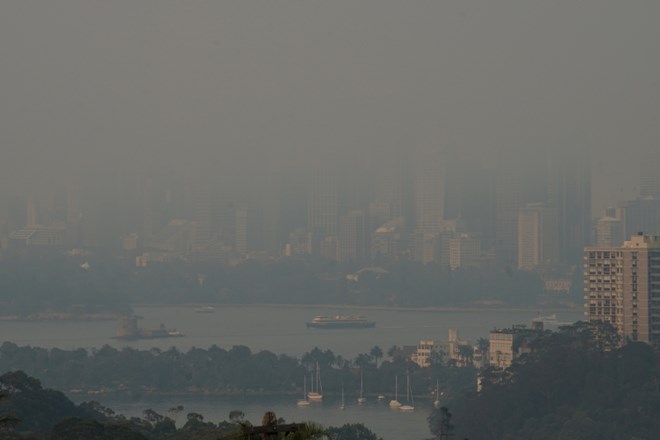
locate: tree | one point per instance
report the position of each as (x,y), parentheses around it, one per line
(440,423)
(7,423)
(465,354)
(362,360)
(236,416)
(351,431)
(376,353)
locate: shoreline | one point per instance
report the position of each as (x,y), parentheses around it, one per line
(68,316)
(374,308)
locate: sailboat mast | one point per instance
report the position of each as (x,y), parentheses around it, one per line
(396,387)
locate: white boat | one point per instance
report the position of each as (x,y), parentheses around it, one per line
(304,401)
(361,400)
(316,394)
(381,397)
(410,405)
(394,403)
(205,309)
(436,403)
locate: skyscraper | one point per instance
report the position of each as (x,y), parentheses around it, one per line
(537,236)
(429,193)
(569,191)
(622,287)
(353,240)
(322,206)
(509,198)
(649,177)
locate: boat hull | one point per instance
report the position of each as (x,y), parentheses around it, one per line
(335,325)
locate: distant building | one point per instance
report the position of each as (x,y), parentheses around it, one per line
(464,252)
(509,198)
(622,287)
(31,236)
(424,353)
(429,192)
(456,349)
(248,230)
(538,239)
(500,351)
(569,192)
(609,228)
(353,240)
(299,243)
(386,241)
(322,207)
(642,214)
(649,177)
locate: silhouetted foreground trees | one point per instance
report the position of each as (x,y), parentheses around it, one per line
(219,371)
(47,414)
(568,388)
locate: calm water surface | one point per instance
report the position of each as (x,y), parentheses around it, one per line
(280,330)
(377,416)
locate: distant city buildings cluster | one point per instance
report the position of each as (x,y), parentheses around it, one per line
(533,214)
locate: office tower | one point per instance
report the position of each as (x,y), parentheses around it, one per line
(569,191)
(202,216)
(464,252)
(429,192)
(622,287)
(322,206)
(299,243)
(537,236)
(641,214)
(353,240)
(248,230)
(649,177)
(387,240)
(609,228)
(509,198)
(147,208)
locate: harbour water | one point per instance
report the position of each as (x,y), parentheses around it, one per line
(377,416)
(280,330)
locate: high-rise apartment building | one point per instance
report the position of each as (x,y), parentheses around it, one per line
(622,287)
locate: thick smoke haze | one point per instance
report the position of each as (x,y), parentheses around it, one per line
(249,90)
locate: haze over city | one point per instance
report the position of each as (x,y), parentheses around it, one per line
(370,191)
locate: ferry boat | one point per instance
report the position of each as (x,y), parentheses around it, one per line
(340,321)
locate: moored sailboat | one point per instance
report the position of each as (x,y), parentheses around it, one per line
(316,394)
(343,405)
(394,403)
(361,400)
(410,405)
(304,401)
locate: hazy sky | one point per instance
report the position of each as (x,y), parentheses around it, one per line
(242,81)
